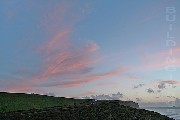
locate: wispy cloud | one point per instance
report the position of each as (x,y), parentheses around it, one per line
(157,60)
(164,84)
(114,96)
(170,82)
(69,62)
(161,85)
(138,86)
(64,63)
(67,66)
(149,90)
(163,59)
(77,81)
(172,97)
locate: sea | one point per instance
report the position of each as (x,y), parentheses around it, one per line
(172,113)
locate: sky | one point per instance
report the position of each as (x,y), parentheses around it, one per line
(76,48)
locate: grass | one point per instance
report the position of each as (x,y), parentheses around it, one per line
(101,110)
(20,106)
(20,101)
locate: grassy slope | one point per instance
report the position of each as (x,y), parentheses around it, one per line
(101,110)
(20,101)
(42,108)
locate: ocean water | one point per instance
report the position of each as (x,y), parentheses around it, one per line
(172,113)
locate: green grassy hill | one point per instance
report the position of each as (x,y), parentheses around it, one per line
(21,101)
(20,106)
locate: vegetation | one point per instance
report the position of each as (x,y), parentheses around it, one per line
(21,101)
(38,107)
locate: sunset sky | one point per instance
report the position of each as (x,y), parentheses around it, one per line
(76,48)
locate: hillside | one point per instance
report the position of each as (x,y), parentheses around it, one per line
(55,108)
(22,101)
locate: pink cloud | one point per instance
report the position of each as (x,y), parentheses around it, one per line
(63,63)
(177,50)
(58,41)
(59,61)
(170,82)
(164,64)
(74,82)
(159,60)
(55,18)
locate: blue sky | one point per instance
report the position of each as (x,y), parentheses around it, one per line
(78,48)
